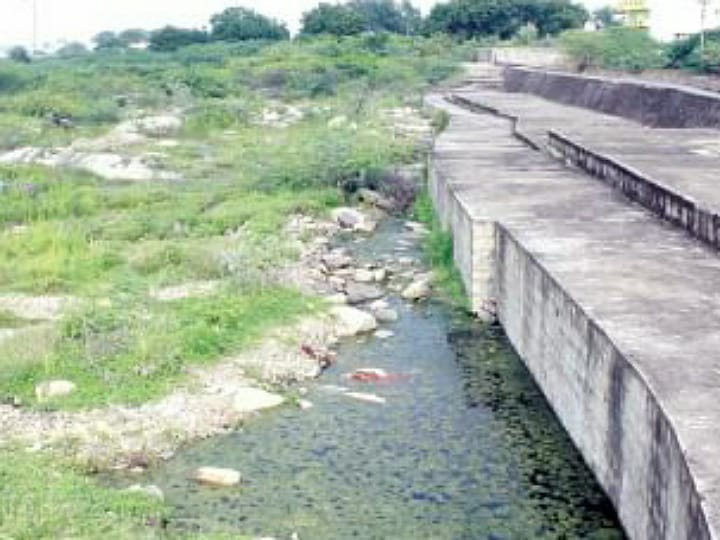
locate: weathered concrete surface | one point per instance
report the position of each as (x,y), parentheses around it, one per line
(652,104)
(525,56)
(614,312)
(672,172)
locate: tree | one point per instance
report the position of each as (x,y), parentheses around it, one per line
(336,19)
(412,18)
(19,54)
(133,36)
(107,41)
(503,18)
(380,15)
(72,49)
(241,24)
(172,38)
(606,17)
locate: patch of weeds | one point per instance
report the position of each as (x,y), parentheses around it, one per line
(439,249)
(43,498)
(127,351)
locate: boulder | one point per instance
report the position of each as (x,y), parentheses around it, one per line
(386,315)
(54,389)
(217,477)
(376,199)
(384,334)
(380,275)
(418,289)
(247,400)
(351,321)
(363,275)
(357,293)
(335,260)
(347,218)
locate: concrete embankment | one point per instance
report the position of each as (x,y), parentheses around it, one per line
(652,104)
(614,313)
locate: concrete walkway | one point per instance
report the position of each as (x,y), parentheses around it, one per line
(615,313)
(673,172)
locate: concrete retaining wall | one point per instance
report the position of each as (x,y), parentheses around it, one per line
(668,204)
(651,104)
(524,56)
(606,406)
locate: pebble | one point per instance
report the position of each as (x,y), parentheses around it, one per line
(216,476)
(384,334)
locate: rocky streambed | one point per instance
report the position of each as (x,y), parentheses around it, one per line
(425,424)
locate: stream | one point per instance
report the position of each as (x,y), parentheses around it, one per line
(465,447)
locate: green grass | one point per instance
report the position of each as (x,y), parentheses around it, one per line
(129,350)
(439,249)
(42,498)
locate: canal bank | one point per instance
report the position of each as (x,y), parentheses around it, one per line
(610,310)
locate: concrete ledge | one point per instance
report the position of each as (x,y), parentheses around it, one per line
(665,202)
(614,313)
(651,104)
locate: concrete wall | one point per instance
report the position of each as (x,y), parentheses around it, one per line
(651,104)
(524,56)
(607,408)
(669,205)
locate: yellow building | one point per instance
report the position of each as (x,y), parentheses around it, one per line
(634,13)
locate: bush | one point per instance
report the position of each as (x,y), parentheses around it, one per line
(19,55)
(686,53)
(172,38)
(614,48)
(242,24)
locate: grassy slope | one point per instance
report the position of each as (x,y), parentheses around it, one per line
(110,243)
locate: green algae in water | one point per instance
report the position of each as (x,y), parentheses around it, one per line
(466,449)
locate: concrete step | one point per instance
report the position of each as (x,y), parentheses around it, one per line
(672,172)
(615,313)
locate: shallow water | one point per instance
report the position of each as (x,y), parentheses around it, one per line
(466,448)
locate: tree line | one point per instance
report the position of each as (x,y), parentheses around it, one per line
(461,18)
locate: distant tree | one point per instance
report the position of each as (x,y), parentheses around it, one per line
(172,38)
(19,54)
(132,36)
(380,15)
(412,17)
(336,19)
(242,24)
(72,49)
(606,17)
(504,18)
(107,40)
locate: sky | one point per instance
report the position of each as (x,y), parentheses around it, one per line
(79,20)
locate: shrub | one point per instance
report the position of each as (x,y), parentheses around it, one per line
(242,24)
(614,48)
(19,55)
(172,38)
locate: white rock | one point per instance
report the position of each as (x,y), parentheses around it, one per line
(150,490)
(377,305)
(386,315)
(384,334)
(366,226)
(380,275)
(352,321)
(367,398)
(362,275)
(336,299)
(348,218)
(54,389)
(417,290)
(305,404)
(158,126)
(249,399)
(218,477)
(374,198)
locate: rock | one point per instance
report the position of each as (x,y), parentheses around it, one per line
(367,374)
(357,293)
(386,315)
(362,275)
(337,283)
(336,260)
(375,199)
(158,126)
(217,477)
(417,290)
(249,399)
(416,227)
(384,334)
(54,389)
(366,226)
(150,491)
(304,404)
(367,398)
(347,218)
(377,305)
(351,321)
(336,299)
(380,275)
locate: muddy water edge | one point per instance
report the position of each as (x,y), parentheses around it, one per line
(464,447)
